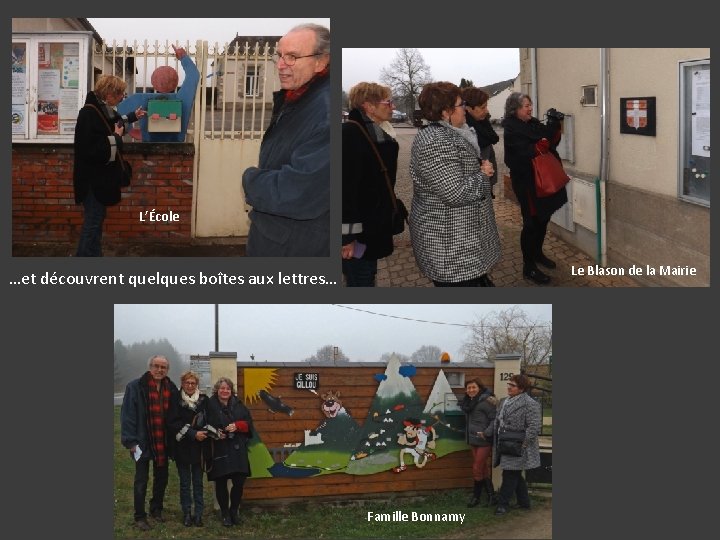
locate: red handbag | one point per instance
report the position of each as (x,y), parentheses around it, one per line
(550,177)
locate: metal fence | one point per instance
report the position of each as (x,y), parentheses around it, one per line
(237,80)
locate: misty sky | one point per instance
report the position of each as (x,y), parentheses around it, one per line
(293,332)
(211,30)
(482,66)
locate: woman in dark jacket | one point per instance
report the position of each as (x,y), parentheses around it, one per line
(97,169)
(479,407)
(478,118)
(186,420)
(367,208)
(524,138)
(232,419)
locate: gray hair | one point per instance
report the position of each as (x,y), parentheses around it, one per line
(154,356)
(322,36)
(226,381)
(514,102)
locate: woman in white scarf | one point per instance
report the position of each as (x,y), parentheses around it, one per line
(186,421)
(452,221)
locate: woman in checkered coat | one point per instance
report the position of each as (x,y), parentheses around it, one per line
(452,222)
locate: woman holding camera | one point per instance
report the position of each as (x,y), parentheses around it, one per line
(452,221)
(232,419)
(524,138)
(367,207)
(521,414)
(186,419)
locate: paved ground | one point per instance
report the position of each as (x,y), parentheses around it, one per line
(400,269)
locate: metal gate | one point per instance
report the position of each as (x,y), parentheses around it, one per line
(232,109)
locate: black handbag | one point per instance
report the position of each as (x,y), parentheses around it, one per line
(510,442)
(400,212)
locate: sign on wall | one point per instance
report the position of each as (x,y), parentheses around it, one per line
(307,381)
(637,116)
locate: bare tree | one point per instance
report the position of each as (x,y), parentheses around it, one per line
(387,356)
(327,354)
(508,331)
(406,76)
(426,353)
(466,83)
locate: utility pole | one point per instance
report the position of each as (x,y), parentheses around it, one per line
(217,330)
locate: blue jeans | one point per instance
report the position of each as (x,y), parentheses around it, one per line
(90,244)
(359,272)
(191,475)
(160,480)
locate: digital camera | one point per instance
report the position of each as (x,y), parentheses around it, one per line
(554,113)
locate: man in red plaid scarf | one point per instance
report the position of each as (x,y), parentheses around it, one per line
(144,433)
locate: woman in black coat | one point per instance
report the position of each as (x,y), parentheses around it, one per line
(367,208)
(478,118)
(524,138)
(187,417)
(97,172)
(232,419)
(479,406)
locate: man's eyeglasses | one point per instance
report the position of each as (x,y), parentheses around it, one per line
(290,59)
(461,104)
(158,366)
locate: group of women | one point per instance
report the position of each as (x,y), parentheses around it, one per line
(211,434)
(453,168)
(486,421)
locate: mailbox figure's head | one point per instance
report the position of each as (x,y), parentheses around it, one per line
(164,80)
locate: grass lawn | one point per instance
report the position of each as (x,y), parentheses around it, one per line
(299,520)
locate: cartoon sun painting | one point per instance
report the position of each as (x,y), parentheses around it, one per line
(256,379)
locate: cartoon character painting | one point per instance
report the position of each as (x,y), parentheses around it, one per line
(331,404)
(416,438)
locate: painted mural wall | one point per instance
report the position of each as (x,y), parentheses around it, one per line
(356,428)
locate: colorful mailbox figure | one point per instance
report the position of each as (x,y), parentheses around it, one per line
(164,115)
(168,111)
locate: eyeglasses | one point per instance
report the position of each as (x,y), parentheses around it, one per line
(290,59)
(512,384)
(192,383)
(388,102)
(158,366)
(461,104)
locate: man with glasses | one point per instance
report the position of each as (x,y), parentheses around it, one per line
(143,431)
(289,190)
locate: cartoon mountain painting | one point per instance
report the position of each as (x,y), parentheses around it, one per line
(441,398)
(396,403)
(260,458)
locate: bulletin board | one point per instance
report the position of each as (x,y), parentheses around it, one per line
(694,136)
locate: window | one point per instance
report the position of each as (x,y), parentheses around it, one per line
(252,83)
(589,96)
(694,137)
(456,379)
(49,84)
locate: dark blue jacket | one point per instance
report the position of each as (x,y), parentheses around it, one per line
(134,424)
(289,190)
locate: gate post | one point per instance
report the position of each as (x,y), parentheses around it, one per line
(506,365)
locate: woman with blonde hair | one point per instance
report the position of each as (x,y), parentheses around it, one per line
(370,154)
(187,419)
(98,167)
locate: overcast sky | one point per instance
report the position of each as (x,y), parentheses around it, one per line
(211,30)
(482,66)
(293,332)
